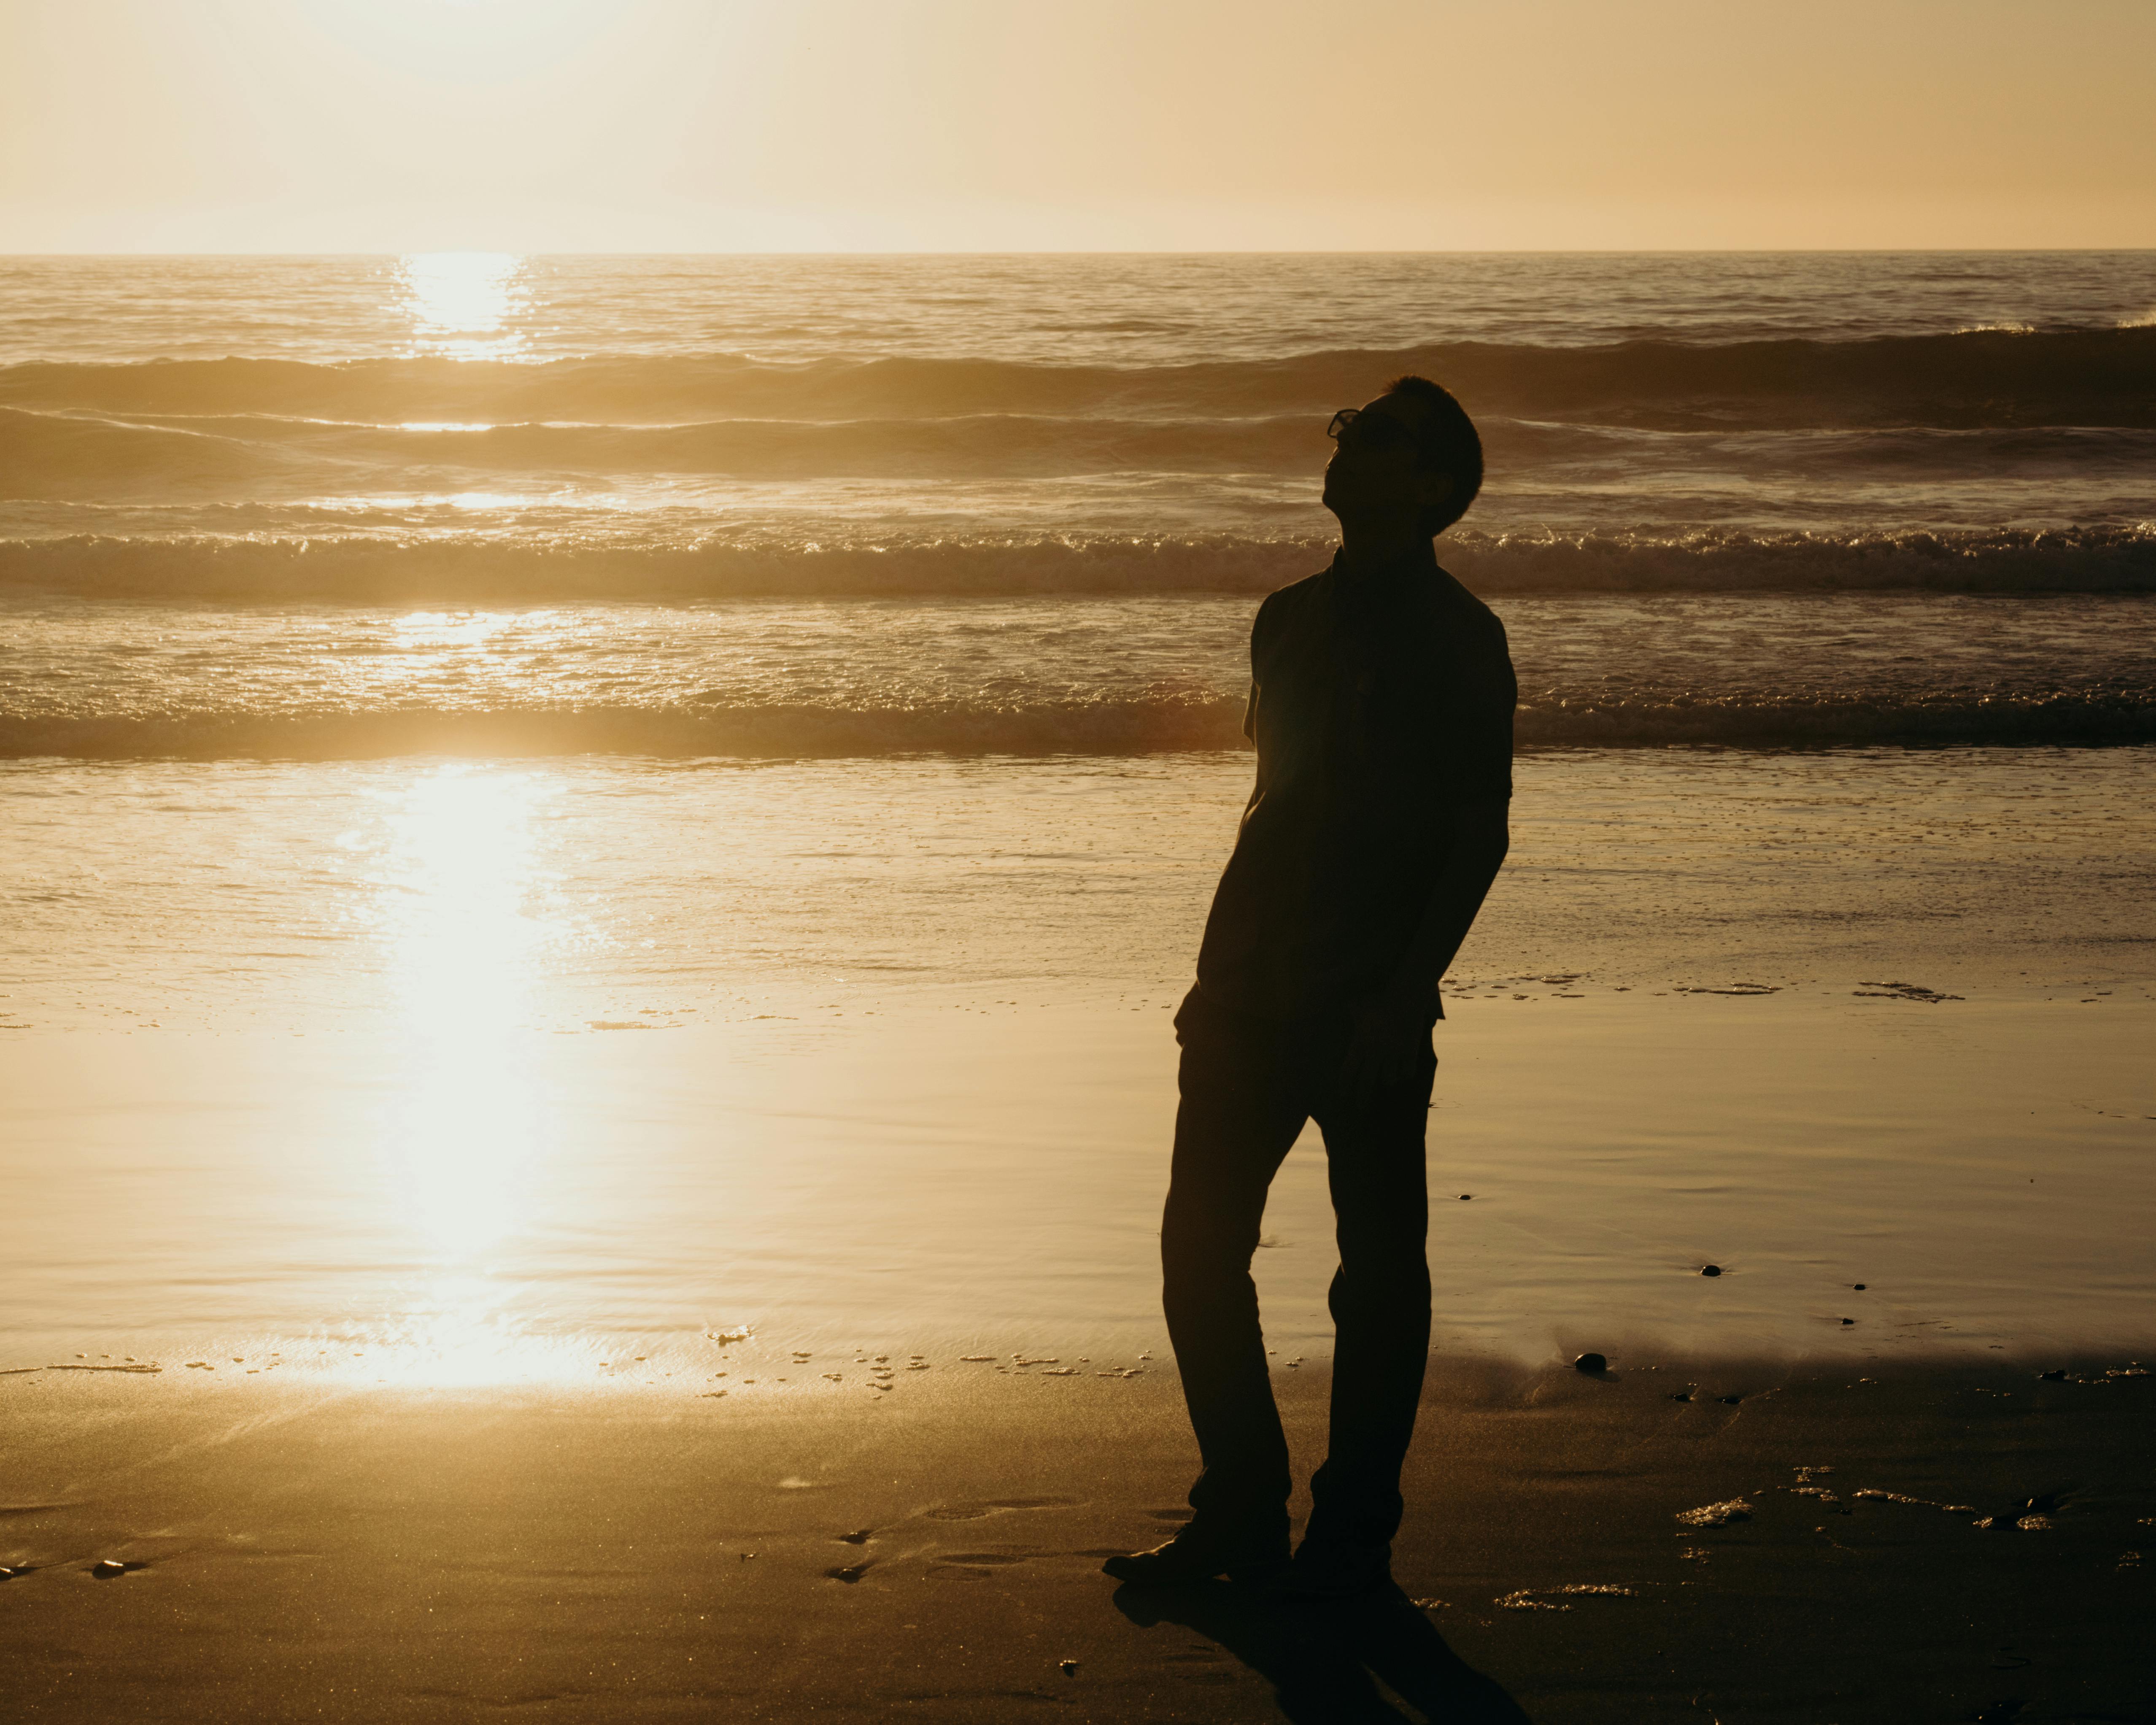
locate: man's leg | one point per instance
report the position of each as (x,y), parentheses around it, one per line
(1380,1302)
(1238,1118)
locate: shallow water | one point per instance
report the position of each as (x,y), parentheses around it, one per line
(558,894)
(485,1204)
(511,1068)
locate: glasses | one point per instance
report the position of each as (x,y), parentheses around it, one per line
(1374,431)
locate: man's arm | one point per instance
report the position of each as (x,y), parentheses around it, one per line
(1392,1027)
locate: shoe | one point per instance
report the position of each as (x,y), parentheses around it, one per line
(1329,1570)
(1194,1555)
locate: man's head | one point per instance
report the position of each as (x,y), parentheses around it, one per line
(1412,453)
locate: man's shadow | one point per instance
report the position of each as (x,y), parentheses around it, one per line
(1320,1659)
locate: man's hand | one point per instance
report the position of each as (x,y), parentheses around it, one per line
(1387,1043)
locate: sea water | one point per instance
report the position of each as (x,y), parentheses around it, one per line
(832,662)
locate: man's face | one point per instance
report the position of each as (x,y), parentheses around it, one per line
(1378,469)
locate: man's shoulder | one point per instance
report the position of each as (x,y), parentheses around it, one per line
(1465,622)
(1283,605)
(1297,593)
(1461,608)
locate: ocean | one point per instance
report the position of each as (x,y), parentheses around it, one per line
(299,508)
(474,656)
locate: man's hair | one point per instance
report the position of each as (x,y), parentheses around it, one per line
(1448,442)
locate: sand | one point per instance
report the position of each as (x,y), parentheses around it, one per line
(368,1554)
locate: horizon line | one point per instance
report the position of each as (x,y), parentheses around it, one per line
(1130,252)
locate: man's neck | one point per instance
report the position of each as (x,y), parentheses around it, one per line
(1371,551)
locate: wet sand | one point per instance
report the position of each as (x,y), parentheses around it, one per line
(509,1206)
(931,1552)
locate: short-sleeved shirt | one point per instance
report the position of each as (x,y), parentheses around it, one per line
(1379,705)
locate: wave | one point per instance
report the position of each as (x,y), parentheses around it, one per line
(1195,723)
(1979,378)
(72,457)
(478,570)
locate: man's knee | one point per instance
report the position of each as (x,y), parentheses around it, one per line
(1388,1262)
(1194,1243)
(1204,1255)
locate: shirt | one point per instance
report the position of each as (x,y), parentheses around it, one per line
(1379,704)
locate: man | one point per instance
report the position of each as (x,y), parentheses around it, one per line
(1381,704)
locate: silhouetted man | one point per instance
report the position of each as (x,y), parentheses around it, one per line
(1381,704)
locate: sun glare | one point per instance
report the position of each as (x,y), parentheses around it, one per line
(463,304)
(466,925)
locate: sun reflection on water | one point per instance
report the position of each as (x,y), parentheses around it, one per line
(462,305)
(467,921)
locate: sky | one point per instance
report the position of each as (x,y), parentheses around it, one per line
(667,125)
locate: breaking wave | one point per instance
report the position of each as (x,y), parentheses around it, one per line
(497,570)
(1978,377)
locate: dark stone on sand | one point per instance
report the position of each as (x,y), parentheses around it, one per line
(105,1568)
(1849,1320)
(1729,1401)
(2055,1377)
(1590,1363)
(1710,1269)
(1682,1395)
(1465,1196)
(850,1573)
(859,1536)
(1069,1667)
(1859,1287)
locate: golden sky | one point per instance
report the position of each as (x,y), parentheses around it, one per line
(391,126)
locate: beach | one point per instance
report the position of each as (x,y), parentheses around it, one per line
(596,876)
(582,1347)
(1793,1544)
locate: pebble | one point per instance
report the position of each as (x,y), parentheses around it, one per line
(1590,1363)
(106,1568)
(1710,1269)
(1069,1667)
(2055,1377)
